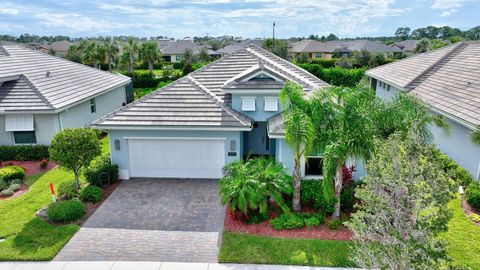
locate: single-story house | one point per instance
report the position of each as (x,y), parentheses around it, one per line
(448,81)
(174,52)
(218,114)
(359,45)
(59,48)
(238,45)
(316,49)
(42,94)
(407,46)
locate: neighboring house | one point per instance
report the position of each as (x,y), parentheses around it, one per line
(360,45)
(407,46)
(221,113)
(316,49)
(448,81)
(236,46)
(42,94)
(175,50)
(59,48)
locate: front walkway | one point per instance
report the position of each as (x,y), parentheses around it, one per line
(108,265)
(152,220)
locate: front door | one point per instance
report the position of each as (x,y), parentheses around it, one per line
(258,141)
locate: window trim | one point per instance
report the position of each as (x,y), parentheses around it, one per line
(270,99)
(249,109)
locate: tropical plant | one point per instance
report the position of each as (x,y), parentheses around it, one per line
(276,46)
(111,51)
(94,54)
(188,60)
(203,56)
(423,45)
(74,149)
(150,54)
(299,132)
(131,49)
(403,208)
(249,185)
(75,53)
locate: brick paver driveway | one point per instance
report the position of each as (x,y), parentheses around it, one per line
(152,220)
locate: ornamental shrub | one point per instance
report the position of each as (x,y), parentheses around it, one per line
(9,190)
(67,190)
(336,75)
(325,63)
(312,195)
(12,172)
(91,194)
(472,194)
(475,217)
(296,221)
(66,211)
(334,224)
(23,152)
(99,165)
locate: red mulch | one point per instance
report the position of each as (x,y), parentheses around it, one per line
(31,167)
(233,224)
(91,207)
(467,209)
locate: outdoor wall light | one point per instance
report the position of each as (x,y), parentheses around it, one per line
(117,144)
(233,146)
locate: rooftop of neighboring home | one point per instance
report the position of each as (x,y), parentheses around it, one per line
(235,46)
(359,45)
(200,99)
(58,46)
(311,46)
(180,46)
(35,81)
(406,45)
(448,79)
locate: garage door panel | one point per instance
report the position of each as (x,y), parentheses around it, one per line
(179,158)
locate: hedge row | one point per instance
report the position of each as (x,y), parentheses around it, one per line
(336,75)
(326,63)
(23,152)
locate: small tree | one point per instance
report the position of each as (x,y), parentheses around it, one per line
(403,208)
(74,149)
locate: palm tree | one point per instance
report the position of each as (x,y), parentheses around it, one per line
(299,133)
(111,50)
(150,54)
(94,54)
(132,48)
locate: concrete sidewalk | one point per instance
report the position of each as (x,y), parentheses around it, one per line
(110,265)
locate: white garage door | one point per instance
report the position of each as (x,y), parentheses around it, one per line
(176,158)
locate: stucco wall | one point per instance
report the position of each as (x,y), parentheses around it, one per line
(259,114)
(385,92)
(46,126)
(80,115)
(120,157)
(458,146)
(284,154)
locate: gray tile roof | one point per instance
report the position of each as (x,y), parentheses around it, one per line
(67,83)
(275,126)
(311,46)
(180,46)
(358,45)
(199,99)
(236,46)
(406,45)
(448,79)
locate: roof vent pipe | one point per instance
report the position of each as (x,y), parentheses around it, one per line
(48,74)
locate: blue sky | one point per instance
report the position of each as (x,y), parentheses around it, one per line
(249,18)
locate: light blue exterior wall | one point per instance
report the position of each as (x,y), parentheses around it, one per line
(81,116)
(259,114)
(386,92)
(120,157)
(456,144)
(284,154)
(45,125)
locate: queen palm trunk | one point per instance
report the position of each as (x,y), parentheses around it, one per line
(150,67)
(110,64)
(297,179)
(338,181)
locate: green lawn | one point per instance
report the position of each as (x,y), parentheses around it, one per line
(30,180)
(243,248)
(26,236)
(463,237)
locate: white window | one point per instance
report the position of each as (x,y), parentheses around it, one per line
(248,104)
(19,122)
(318,55)
(271,104)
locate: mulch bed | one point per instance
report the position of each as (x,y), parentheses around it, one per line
(467,209)
(31,167)
(233,224)
(19,192)
(91,207)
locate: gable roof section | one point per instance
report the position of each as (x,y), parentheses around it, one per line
(408,45)
(312,46)
(198,100)
(20,94)
(447,79)
(67,84)
(236,46)
(368,45)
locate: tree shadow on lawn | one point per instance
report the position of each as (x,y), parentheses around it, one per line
(42,241)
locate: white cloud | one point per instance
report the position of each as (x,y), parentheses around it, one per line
(8,11)
(448,7)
